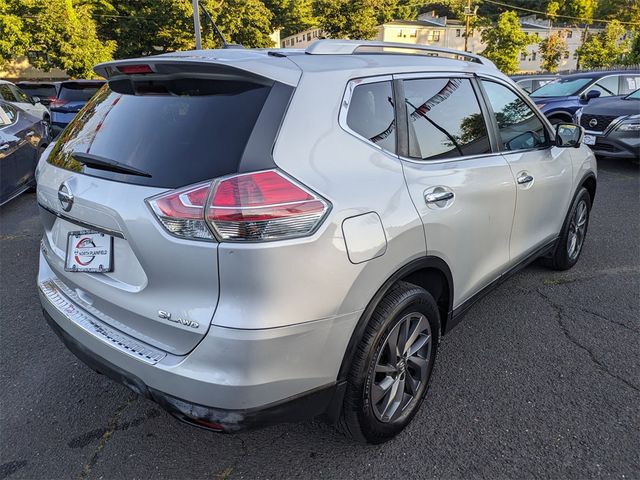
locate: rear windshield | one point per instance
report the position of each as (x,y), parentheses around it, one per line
(175,139)
(77,93)
(42,91)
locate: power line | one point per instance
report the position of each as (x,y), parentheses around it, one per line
(422,3)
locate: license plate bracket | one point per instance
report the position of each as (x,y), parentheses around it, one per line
(89,251)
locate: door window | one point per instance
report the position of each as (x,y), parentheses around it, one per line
(6,93)
(371,114)
(444,119)
(607,86)
(19,94)
(518,125)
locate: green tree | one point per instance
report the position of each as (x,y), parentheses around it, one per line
(291,16)
(56,33)
(605,48)
(357,19)
(14,41)
(633,57)
(505,41)
(552,50)
(247,22)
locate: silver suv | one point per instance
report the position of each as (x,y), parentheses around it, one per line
(249,237)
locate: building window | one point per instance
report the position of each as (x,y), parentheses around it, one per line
(284,44)
(413,33)
(523,57)
(458,32)
(566,55)
(433,36)
(308,37)
(534,55)
(569,33)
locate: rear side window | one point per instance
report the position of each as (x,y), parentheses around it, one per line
(371,114)
(177,139)
(77,93)
(629,83)
(42,91)
(519,127)
(19,94)
(444,119)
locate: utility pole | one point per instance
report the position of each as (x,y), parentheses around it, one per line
(196,24)
(467,16)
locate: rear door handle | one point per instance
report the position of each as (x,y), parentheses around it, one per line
(4,147)
(524,178)
(435,197)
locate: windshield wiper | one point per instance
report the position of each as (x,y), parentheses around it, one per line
(101,163)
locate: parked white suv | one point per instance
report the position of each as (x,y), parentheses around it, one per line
(255,236)
(12,94)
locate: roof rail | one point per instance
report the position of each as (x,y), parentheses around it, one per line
(350,47)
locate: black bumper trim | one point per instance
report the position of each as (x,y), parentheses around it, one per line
(325,400)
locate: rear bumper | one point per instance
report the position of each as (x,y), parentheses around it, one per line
(324,400)
(234,378)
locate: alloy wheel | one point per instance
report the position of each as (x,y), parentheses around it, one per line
(402,367)
(577,230)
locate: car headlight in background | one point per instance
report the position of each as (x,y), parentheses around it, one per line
(577,115)
(630,124)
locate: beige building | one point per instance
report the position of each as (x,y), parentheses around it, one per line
(429,29)
(302,39)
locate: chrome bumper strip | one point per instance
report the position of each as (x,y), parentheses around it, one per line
(98,329)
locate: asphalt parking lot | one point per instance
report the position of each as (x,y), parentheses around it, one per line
(542,379)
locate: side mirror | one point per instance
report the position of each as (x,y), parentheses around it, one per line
(591,94)
(35,100)
(569,135)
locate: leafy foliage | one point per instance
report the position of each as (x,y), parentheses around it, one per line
(605,48)
(58,33)
(552,49)
(505,41)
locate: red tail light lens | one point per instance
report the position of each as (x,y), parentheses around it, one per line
(182,211)
(57,102)
(251,207)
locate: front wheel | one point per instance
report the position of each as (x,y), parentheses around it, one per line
(574,231)
(391,372)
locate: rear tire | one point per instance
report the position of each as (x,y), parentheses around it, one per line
(574,231)
(392,367)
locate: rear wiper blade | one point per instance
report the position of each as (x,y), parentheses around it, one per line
(101,163)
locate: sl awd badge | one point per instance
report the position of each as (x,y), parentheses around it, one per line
(187,323)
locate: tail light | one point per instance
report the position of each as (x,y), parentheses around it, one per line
(252,207)
(56,102)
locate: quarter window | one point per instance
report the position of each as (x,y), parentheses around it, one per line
(371,114)
(519,127)
(629,83)
(444,119)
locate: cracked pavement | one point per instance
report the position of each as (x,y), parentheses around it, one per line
(541,379)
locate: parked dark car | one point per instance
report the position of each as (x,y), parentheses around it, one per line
(46,92)
(612,126)
(560,100)
(72,96)
(23,137)
(529,83)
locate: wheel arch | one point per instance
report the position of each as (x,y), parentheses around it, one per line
(431,273)
(590,183)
